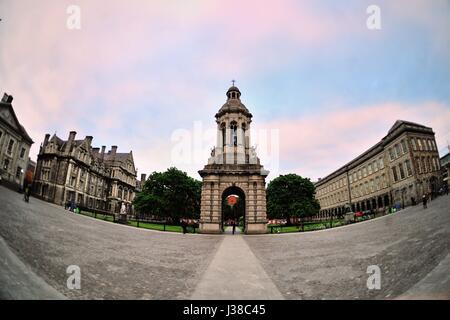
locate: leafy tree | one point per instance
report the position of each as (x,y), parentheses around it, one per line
(171,194)
(291,196)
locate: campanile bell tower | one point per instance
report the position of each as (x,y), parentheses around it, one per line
(233,168)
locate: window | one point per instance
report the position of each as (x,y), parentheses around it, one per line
(22,152)
(419,165)
(375,166)
(430,147)
(394,174)
(424,165)
(391,154)
(234,134)
(370,168)
(404,146)
(413,143)
(364,172)
(381,163)
(5,164)
(434,144)
(419,143)
(10,146)
(402,172)
(425,147)
(429,164)
(18,172)
(397,150)
(359,174)
(408,168)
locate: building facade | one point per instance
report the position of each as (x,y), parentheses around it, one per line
(445,168)
(398,170)
(72,170)
(233,169)
(15,144)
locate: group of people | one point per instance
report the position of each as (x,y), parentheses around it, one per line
(71,206)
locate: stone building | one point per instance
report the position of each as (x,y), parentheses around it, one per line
(15,144)
(233,169)
(445,168)
(72,170)
(398,170)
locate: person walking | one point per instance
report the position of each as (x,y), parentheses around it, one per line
(234,226)
(183,225)
(424,201)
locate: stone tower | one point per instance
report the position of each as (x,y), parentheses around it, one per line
(233,168)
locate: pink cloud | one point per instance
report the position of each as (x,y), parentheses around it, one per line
(315,146)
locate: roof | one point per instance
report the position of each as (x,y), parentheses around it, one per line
(20,129)
(233,105)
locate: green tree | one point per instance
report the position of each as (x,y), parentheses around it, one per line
(171,194)
(291,196)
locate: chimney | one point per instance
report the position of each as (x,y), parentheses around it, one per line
(113,150)
(95,150)
(103,152)
(72,135)
(7,98)
(143,176)
(47,136)
(89,139)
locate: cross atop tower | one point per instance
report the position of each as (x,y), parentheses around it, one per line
(233,81)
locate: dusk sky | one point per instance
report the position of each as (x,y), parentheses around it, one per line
(138,73)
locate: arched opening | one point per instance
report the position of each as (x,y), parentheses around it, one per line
(233,210)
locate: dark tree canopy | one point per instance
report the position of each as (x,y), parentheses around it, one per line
(291,196)
(171,194)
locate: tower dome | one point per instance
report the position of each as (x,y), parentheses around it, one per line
(233,103)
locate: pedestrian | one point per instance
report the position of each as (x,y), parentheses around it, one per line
(26,193)
(183,225)
(424,201)
(413,201)
(234,226)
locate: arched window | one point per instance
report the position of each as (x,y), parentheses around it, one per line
(233,128)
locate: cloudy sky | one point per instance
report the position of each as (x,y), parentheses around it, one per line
(322,87)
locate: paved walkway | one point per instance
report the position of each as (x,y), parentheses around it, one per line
(19,282)
(235,273)
(119,262)
(229,230)
(436,285)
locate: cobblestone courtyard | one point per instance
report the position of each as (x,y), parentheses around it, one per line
(40,240)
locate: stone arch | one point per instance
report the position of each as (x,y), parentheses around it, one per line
(234,189)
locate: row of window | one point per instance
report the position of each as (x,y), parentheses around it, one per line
(334,198)
(9,149)
(427,164)
(423,144)
(402,170)
(398,150)
(333,186)
(366,170)
(367,187)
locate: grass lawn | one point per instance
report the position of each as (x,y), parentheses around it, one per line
(308,226)
(155,226)
(99,216)
(145,225)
